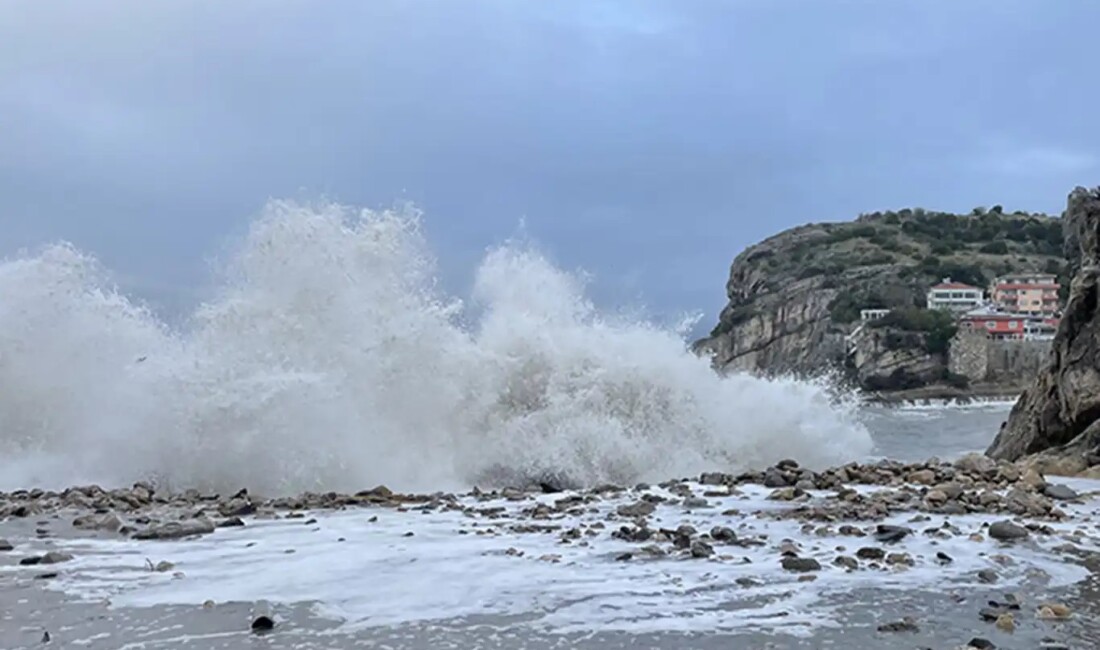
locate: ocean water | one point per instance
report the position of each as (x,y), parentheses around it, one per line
(329,360)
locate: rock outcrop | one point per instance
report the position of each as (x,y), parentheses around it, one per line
(794,299)
(1059,415)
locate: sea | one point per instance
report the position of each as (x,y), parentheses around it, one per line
(329,359)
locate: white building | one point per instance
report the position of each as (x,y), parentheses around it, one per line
(955,296)
(872,314)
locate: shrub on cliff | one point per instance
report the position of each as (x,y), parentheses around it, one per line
(938,327)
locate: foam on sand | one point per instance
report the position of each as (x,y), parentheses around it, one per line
(381,576)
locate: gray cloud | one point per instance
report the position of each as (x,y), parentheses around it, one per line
(645,141)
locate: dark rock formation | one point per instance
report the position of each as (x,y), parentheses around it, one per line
(1059,413)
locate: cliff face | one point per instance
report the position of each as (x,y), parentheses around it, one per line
(794,298)
(1060,413)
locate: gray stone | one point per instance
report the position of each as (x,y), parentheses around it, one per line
(55,557)
(1060,492)
(981,644)
(1007,531)
(639,509)
(176,530)
(870,553)
(906,624)
(774,478)
(988,576)
(701,549)
(800,564)
(847,562)
(5,545)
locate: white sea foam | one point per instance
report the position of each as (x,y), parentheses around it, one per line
(378,576)
(328,360)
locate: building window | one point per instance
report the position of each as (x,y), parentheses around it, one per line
(990,324)
(1012,325)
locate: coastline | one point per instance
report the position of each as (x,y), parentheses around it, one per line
(946,395)
(860,553)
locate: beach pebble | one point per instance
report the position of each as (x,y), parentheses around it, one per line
(800,564)
(907,624)
(1007,531)
(5,545)
(55,557)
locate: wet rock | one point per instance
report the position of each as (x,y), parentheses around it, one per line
(624,557)
(1054,611)
(977,464)
(176,530)
(1005,622)
(800,564)
(936,497)
(639,509)
(1060,492)
(633,533)
(747,583)
(988,576)
(232,522)
(1007,531)
(981,644)
(846,562)
(786,494)
(55,557)
(775,478)
(164,566)
(5,545)
(715,478)
(943,558)
(723,534)
(907,624)
(108,522)
(922,477)
(31,561)
(700,549)
(851,531)
(871,553)
(900,559)
(696,502)
(891,534)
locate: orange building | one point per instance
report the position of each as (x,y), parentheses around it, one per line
(1035,294)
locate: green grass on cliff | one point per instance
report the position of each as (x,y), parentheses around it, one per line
(911,250)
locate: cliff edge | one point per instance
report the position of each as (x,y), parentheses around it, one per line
(795,299)
(1058,417)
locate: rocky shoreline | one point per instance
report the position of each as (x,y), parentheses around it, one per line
(995,505)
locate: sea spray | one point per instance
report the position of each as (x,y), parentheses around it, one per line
(330,360)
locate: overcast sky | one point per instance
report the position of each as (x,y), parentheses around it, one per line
(647,142)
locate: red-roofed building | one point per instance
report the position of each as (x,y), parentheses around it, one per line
(1001,325)
(955,296)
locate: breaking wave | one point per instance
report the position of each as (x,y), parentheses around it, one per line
(329,360)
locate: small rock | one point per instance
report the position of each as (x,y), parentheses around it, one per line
(164,566)
(45,637)
(907,624)
(232,522)
(1060,492)
(800,564)
(5,545)
(1006,623)
(1007,531)
(639,509)
(936,497)
(786,494)
(774,478)
(988,576)
(263,619)
(747,583)
(922,477)
(723,534)
(176,530)
(981,644)
(900,559)
(701,549)
(871,553)
(851,531)
(56,557)
(847,562)
(944,558)
(1054,611)
(890,534)
(625,557)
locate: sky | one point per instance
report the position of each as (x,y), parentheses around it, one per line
(646,142)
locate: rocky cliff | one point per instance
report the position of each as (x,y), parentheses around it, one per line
(794,299)
(1060,414)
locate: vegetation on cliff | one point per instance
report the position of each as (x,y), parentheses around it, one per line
(796,296)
